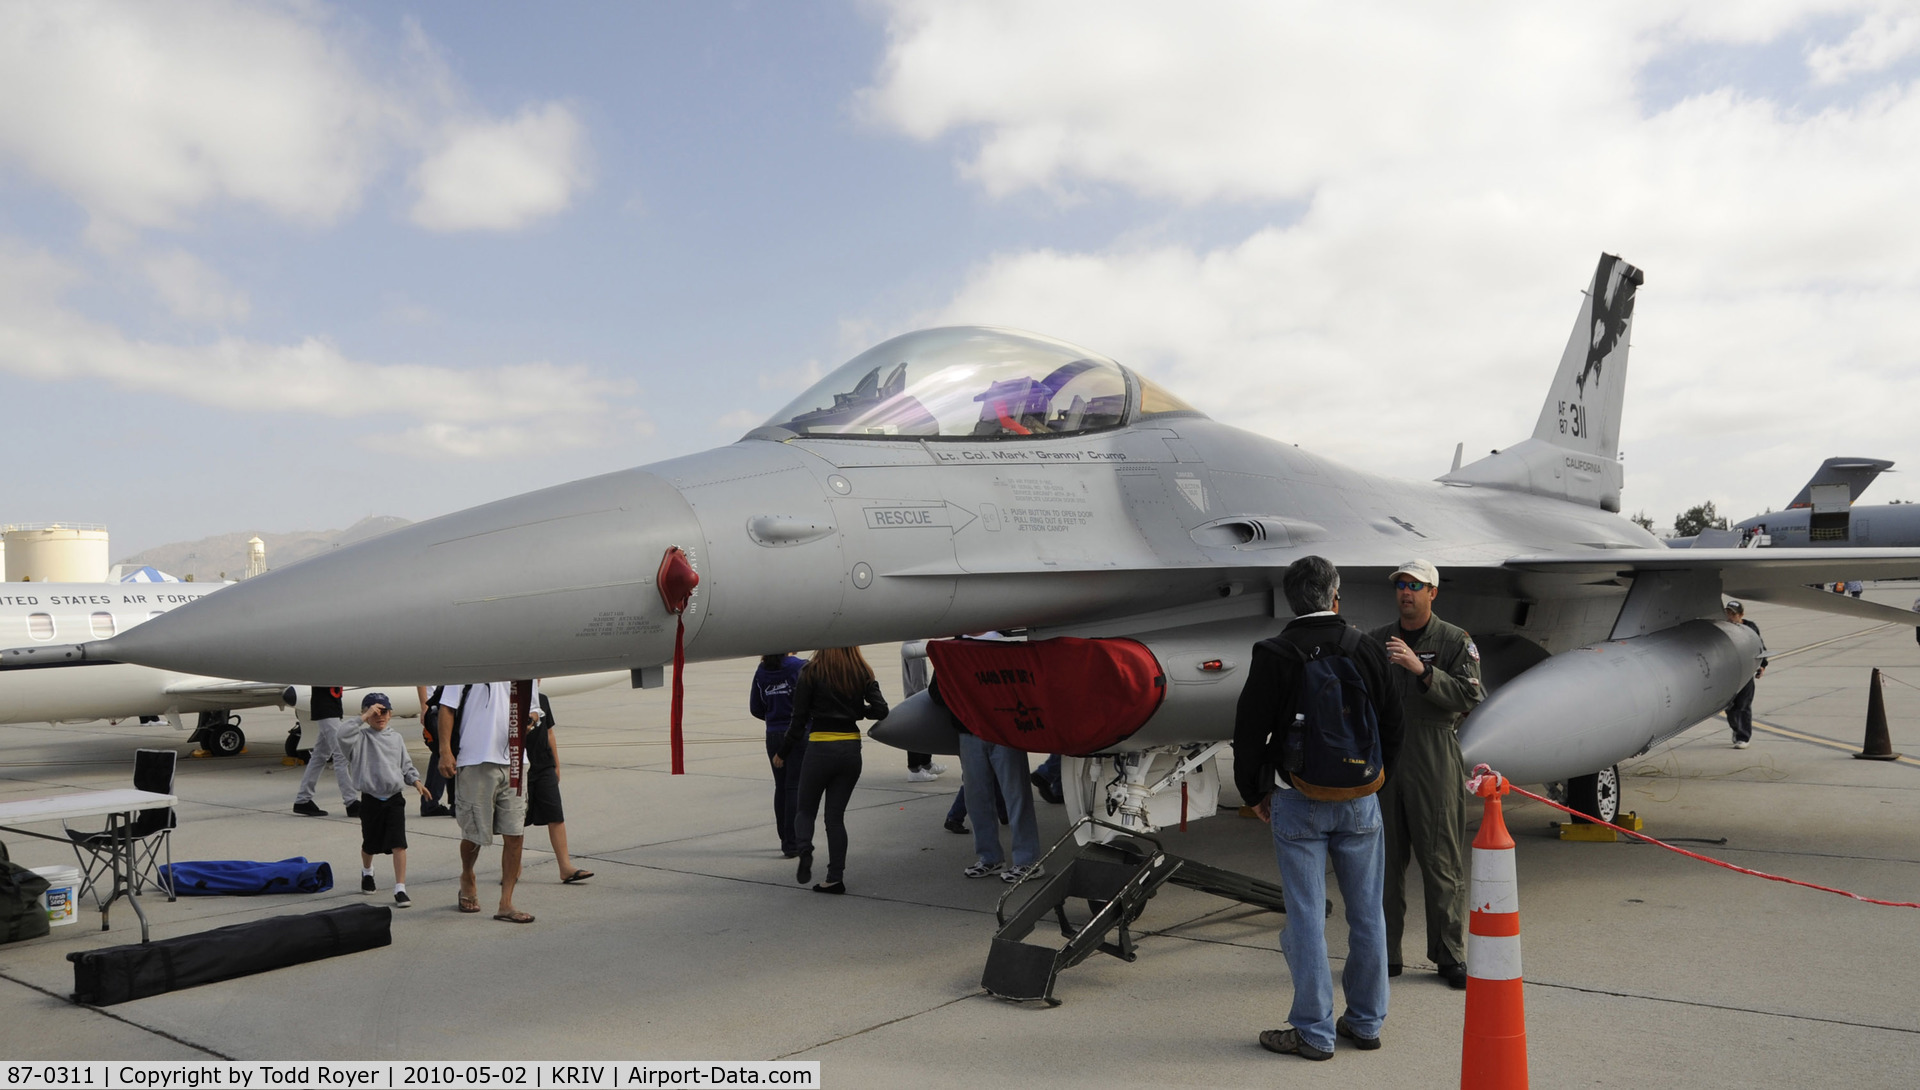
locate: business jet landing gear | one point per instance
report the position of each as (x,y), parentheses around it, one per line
(293,745)
(1142,791)
(1597,794)
(219,734)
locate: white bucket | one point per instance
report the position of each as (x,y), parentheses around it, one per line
(63,886)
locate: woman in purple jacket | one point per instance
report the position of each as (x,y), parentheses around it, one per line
(771,699)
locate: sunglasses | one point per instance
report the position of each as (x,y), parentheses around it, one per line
(1410,584)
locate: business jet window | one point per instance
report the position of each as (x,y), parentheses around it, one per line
(40,625)
(963,382)
(102,625)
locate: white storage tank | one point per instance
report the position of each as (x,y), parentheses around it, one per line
(56,552)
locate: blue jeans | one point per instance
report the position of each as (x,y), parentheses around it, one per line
(982,765)
(1306,834)
(958,811)
(1049,771)
(1740,714)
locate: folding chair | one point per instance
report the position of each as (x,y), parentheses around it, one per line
(151,832)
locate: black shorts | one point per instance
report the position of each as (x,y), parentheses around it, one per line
(543,797)
(383,824)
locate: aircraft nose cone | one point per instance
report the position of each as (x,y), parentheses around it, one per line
(559,581)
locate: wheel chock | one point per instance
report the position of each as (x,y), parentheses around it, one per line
(1599,834)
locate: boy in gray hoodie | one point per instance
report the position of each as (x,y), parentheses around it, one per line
(380,768)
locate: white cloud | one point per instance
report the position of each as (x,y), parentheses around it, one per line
(739,421)
(147,115)
(502,175)
(144,112)
(1460,169)
(485,411)
(192,290)
(1882,40)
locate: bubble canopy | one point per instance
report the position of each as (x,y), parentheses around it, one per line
(965,382)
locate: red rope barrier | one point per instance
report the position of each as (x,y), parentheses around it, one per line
(1478,771)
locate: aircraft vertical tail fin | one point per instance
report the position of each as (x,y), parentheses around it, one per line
(1574,453)
(1855,473)
(1582,410)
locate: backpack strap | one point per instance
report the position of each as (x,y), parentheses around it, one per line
(1349,641)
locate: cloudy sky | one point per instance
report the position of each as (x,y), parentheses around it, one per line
(280,266)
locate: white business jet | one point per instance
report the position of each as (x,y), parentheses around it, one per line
(53,613)
(79,691)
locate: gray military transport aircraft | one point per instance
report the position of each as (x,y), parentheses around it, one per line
(1825,513)
(962,479)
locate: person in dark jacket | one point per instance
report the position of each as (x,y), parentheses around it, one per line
(771,700)
(1308,833)
(1740,711)
(835,691)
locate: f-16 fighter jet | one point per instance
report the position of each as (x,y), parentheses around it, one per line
(963,479)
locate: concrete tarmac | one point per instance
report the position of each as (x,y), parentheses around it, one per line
(1644,968)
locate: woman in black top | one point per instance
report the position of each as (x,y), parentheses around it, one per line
(543,792)
(836,690)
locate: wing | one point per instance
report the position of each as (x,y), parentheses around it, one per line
(206,688)
(1781,576)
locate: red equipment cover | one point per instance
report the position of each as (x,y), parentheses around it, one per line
(1062,695)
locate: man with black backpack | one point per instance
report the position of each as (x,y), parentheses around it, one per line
(1317,727)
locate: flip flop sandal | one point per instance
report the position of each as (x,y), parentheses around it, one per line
(577,876)
(470,904)
(515,916)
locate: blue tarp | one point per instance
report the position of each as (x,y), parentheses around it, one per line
(235,877)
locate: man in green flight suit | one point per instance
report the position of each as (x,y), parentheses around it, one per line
(1424,802)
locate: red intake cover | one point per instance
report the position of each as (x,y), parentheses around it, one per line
(1049,696)
(676,580)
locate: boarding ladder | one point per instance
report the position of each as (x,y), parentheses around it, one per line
(1116,879)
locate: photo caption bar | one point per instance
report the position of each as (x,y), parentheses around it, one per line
(401,1074)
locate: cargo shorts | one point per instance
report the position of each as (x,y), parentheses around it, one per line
(485,804)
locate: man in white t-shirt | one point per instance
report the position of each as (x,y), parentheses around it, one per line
(485,801)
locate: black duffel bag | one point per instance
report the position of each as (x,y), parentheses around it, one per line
(120,973)
(22,915)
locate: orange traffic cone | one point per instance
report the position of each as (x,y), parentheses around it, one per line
(1493,1052)
(1878,746)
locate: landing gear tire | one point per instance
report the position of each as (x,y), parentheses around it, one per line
(219,734)
(1597,794)
(293,746)
(227,741)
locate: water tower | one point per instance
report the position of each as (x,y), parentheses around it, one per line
(56,552)
(256,557)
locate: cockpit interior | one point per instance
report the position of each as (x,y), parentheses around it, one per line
(969,382)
